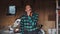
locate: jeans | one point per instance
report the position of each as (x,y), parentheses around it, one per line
(31,32)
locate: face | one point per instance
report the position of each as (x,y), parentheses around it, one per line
(28,8)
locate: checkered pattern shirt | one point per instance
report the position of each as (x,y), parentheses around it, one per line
(28,23)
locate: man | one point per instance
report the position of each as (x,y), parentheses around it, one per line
(28,23)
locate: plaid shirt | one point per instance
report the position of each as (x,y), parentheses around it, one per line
(28,23)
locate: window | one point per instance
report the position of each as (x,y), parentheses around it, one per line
(11,10)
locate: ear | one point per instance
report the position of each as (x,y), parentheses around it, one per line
(25,9)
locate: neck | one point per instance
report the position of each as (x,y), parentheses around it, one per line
(29,13)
